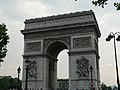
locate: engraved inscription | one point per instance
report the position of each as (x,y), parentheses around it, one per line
(82,67)
(33,46)
(82,42)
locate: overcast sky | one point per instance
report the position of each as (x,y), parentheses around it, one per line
(14,12)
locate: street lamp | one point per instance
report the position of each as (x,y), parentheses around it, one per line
(18,70)
(27,68)
(110,36)
(91,70)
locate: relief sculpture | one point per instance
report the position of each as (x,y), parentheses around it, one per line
(32,72)
(82,42)
(33,46)
(82,67)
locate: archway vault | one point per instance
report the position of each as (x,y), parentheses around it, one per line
(55,48)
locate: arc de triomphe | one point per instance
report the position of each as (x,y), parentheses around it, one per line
(46,37)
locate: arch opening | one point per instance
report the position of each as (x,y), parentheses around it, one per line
(53,51)
(63,65)
(55,48)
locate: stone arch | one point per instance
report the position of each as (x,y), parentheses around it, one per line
(55,47)
(45,37)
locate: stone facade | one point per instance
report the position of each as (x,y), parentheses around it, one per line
(46,37)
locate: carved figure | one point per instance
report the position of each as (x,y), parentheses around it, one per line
(82,67)
(32,72)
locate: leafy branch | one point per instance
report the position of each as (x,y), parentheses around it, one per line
(102,3)
(3,41)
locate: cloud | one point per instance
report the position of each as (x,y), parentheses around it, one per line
(31,7)
(19,10)
(108,21)
(14,12)
(107,74)
(108,64)
(9,10)
(0,12)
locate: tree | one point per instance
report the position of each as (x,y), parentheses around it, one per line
(62,84)
(115,88)
(103,86)
(7,82)
(3,41)
(102,3)
(109,88)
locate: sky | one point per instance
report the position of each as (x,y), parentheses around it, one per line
(14,12)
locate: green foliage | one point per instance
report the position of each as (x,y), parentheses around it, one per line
(109,88)
(3,41)
(63,85)
(117,5)
(103,86)
(102,3)
(7,82)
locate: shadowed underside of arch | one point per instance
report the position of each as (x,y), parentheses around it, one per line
(55,48)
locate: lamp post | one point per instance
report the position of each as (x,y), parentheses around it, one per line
(27,68)
(18,70)
(110,36)
(91,70)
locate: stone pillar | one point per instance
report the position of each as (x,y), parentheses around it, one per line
(83,53)
(45,74)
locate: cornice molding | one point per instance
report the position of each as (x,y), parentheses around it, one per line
(65,21)
(60,16)
(84,52)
